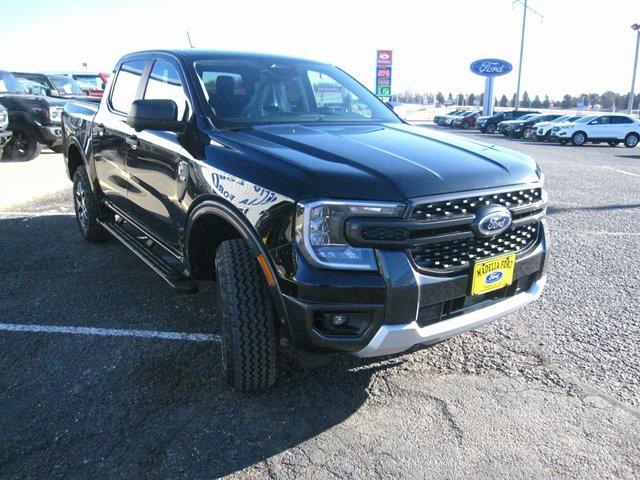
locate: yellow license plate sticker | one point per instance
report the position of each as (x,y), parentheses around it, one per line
(492,274)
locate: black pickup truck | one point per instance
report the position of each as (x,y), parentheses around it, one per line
(35,120)
(321,215)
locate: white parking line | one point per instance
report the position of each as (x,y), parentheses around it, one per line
(623,172)
(38,214)
(111,332)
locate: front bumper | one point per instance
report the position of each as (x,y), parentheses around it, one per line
(51,135)
(399,301)
(391,339)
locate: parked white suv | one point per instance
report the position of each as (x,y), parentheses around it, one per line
(610,128)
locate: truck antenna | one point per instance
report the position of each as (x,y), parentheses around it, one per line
(189,39)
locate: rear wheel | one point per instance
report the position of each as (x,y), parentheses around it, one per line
(490,128)
(631,140)
(86,206)
(249,333)
(22,146)
(579,138)
(465,125)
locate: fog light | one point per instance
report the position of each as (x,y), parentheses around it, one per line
(338,320)
(342,323)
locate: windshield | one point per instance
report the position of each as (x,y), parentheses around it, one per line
(246,91)
(526,117)
(563,118)
(66,85)
(89,81)
(586,119)
(9,84)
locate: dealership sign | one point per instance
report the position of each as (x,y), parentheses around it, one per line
(491,67)
(384,60)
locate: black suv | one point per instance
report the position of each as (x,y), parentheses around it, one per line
(33,119)
(52,85)
(525,129)
(5,134)
(490,124)
(320,214)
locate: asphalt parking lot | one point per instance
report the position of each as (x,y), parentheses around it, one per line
(107,373)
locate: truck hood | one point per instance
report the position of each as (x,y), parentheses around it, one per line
(380,161)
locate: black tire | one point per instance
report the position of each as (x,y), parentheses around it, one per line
(86,207)
(613,143)
(249,332)
(631,140)
(490,128)
(22,146)
(465,125)
(528,133)
(578,139)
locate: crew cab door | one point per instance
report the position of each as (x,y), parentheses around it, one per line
(111,133)
(157,163)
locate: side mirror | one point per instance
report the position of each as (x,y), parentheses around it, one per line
(155,115)
(51,93)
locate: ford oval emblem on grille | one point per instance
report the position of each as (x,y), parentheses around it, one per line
(494,277)
(492,220)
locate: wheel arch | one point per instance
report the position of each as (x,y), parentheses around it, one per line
(214,214)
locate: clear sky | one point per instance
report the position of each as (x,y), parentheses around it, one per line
(580,46)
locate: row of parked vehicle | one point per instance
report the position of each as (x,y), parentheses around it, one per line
(576,129)
(31,109)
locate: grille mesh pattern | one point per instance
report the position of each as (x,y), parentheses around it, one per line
(469,205)
(454,255)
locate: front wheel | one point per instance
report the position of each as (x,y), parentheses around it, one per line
(631,140)
(528,133)
(491,128)
(579,139)
(22,146)
(249,333)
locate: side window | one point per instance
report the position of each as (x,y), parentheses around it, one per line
(165,84)
(600,121)
(620,120)
(126,87)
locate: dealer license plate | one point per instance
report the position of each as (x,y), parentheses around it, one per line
(492,274)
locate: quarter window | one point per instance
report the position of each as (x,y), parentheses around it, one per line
(164,84)
(126,87)
(620,120)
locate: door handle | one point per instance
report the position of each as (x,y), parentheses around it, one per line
(133,142)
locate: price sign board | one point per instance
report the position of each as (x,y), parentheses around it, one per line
(384,61)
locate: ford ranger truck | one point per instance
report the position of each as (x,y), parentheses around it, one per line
(323,218)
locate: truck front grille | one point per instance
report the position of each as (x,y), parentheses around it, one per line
(458,254)
(446,209)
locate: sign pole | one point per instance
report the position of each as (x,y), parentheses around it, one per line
(487,106)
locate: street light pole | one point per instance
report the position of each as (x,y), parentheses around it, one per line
(524,23)
(635,27)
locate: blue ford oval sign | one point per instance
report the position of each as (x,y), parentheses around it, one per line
(491,67)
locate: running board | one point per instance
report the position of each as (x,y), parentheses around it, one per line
(170,275)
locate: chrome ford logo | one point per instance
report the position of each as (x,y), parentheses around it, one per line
(494,277)
(492,220)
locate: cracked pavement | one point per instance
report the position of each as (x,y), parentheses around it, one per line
(552,391)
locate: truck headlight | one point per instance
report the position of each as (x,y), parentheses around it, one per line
(320,233)
(55,114)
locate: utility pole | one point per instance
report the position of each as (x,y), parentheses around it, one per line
(189,39)
(635,27)
(524,24)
